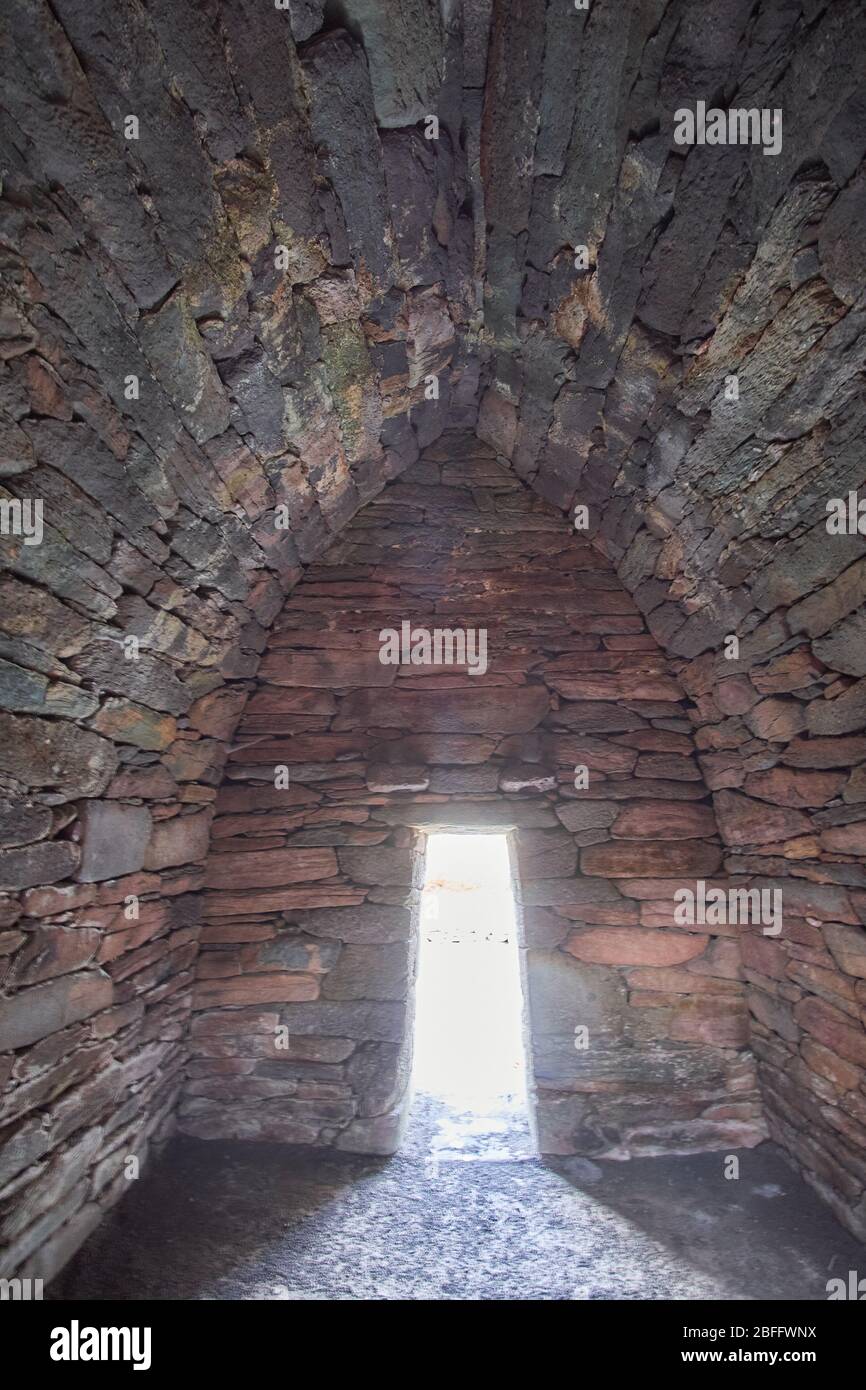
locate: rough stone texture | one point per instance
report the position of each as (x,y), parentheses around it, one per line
(404,43)
(114,839)
(216,345)
(486,749)
(608,387)
(210,358)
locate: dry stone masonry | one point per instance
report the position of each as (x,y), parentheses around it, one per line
(303,1002)
(216,345)
(696,384)
(316,321)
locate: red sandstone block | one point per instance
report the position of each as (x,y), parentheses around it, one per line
(743,821)
(663,889)
(298,748)
(106,1024)
(662,820)
(500,709)
(622,685)
(637,788)
(624,914)
(661,914)
(735,695)
(709,1019)
(269,868)
(825,752)
(326,669)
(789,786)
(337,815)
(180,840)
(641,642)
(281,900)
(153,918)
(674,981)
(221,1066)
(598,754)
(793,671)
(826,982)
(578,663)
(31,1014)
(845,839)
(847,945)
(242,843)
(235,932)
(667,765)
(268,702)
(217,713)
(265,988)
(240,800)
(644,859)
(852,1129)
(657,741)
(734,1110)
(249,1022)
(634,946)
(824,901)
(777,720)
(648,999)
(46,902)
(721,959)
(227,827)
(844,1075)
(609,623)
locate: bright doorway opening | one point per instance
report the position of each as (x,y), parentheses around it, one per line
(469,1073)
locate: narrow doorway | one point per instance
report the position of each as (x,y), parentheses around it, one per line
(469,1073)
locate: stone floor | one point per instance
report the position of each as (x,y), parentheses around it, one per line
(461,1213)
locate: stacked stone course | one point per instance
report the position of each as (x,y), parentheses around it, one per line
(699,388)
(302,1029)
(210,322)
(237,309)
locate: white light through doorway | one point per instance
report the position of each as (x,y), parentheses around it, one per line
(469,1064)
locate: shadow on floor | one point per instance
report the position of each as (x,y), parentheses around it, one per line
(764,1235)
(216,1220)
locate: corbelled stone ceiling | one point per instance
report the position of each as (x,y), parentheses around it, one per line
(319,317)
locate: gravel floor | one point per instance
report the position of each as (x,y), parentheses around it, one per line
(463,1212)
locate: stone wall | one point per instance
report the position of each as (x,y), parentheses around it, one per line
(233,267)
(232,264)
(699,387)
(303,1001)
